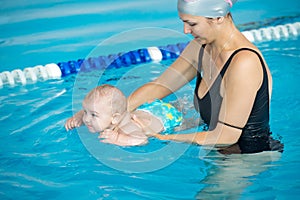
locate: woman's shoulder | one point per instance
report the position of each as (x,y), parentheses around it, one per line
(243,47)
(247,57)
(246,65)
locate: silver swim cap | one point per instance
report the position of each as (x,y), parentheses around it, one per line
(205,8)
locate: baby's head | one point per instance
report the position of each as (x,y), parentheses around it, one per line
(109,96)
(103,107)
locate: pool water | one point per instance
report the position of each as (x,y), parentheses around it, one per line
(39,159)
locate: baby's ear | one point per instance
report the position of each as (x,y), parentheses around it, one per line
(116,118)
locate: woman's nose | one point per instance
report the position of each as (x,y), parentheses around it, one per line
(186,28)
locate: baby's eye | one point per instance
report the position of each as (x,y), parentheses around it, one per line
(192,24)
(94,115)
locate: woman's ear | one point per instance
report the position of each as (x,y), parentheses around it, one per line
(116,118)
(220,20)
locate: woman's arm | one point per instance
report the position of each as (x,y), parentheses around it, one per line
(221,135)
(240,85)
(183,70)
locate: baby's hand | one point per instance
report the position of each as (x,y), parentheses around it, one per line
(109,136)
(74,121)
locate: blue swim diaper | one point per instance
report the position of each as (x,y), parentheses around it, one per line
(167,113)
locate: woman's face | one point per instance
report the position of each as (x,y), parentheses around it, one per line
(197,26)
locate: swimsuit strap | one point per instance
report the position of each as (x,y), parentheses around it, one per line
(199,77)
(237,51)
(232,126)
(227,65)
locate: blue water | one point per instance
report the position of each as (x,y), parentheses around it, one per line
(39,159)
(68,29)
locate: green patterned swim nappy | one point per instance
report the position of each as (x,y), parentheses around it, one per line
(167,113)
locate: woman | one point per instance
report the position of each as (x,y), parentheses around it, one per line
(234,83)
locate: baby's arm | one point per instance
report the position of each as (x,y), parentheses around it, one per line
(122,139)
(75,121)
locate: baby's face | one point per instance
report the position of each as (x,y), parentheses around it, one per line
(97,115)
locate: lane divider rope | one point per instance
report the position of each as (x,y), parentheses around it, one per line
(151,54)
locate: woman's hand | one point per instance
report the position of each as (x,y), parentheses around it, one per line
(74,121)
(160,136)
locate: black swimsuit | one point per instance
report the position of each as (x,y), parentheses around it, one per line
(256,135)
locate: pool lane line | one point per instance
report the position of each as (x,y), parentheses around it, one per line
(150,54)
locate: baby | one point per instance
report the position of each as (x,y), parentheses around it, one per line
(105,112)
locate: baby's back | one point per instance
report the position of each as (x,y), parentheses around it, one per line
(148,122)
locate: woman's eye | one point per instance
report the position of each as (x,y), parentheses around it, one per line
(193,24)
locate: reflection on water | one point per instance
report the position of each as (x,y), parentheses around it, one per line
(229,175)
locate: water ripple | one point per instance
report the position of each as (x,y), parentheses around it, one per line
(10,175)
